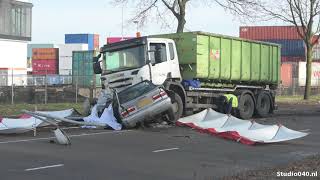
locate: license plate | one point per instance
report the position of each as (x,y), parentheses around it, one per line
(144,102)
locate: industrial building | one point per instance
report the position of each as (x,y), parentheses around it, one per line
(15,33)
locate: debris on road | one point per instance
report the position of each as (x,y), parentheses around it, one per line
(27,122)
(106,117)
(244,131)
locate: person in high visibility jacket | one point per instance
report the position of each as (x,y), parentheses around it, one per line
(231,102)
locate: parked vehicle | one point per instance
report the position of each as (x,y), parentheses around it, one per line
(222,65)
(141,102)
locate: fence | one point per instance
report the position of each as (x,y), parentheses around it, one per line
(35,89)
(297,87)
(43,89)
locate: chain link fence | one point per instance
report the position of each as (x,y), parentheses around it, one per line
(43,89)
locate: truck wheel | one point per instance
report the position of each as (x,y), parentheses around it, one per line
(177,106)
(263,104)
(246,106)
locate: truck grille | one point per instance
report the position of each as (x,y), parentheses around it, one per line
(120,84)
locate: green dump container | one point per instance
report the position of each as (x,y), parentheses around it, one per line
(223,59)
(82,69)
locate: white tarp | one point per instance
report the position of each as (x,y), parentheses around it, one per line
(244,131)
(107,118)
(26,123)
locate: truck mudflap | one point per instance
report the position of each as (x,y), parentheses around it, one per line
(243,131)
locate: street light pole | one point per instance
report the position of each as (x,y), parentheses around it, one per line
(137,24)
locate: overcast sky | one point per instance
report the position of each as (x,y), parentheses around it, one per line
(53,19)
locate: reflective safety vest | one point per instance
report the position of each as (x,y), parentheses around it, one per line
(234,99)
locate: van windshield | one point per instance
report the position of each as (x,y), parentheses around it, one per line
(124,59)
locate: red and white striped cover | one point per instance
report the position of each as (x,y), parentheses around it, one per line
(243,131)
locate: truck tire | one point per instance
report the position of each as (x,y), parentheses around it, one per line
(177,106)
(246,106)
(263,104)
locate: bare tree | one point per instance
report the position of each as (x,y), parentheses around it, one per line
(178,8)
(304,15)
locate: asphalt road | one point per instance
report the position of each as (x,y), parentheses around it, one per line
(156,153)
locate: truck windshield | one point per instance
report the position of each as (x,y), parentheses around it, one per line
(123,59)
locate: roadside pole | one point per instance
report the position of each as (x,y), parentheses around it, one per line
(46,89)
(77,88)
(12,95)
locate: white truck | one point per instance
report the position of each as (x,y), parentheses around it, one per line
(220,65)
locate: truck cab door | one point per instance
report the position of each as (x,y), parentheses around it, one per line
(161,66)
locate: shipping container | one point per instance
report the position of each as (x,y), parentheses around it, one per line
(65,56)
(65,65)
(82,69)
(215,58)
(42,72)
(292,59)
(110,40)
(96,42)
(269,32)
(315,74)
(65,50)
(42,66)
(316,52)
(45,53)
(83,39)
(290,47)
(286,74)
(32,46)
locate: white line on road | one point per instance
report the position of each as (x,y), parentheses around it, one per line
(161,150)
(76,135)
(44,167)
(305,130)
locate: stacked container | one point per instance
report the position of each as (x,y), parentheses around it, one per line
(91,39)
(45,61)
(82,69)
(29,52)
(65,56)
(292,47)
(111,40)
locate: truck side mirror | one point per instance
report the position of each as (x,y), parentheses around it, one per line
(96,65)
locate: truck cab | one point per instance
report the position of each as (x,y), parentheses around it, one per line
(132,61)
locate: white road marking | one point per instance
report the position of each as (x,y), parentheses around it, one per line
(162,150)
(305,130)
(75,135)
(44,167)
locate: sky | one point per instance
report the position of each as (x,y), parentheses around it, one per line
(52,19)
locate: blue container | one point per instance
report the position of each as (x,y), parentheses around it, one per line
(290,47)
(80,39)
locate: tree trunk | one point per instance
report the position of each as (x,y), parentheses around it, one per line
(181,23)
(308,74)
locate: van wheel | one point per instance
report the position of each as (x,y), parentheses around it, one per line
(177,106)
(263,104)
(246,106)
